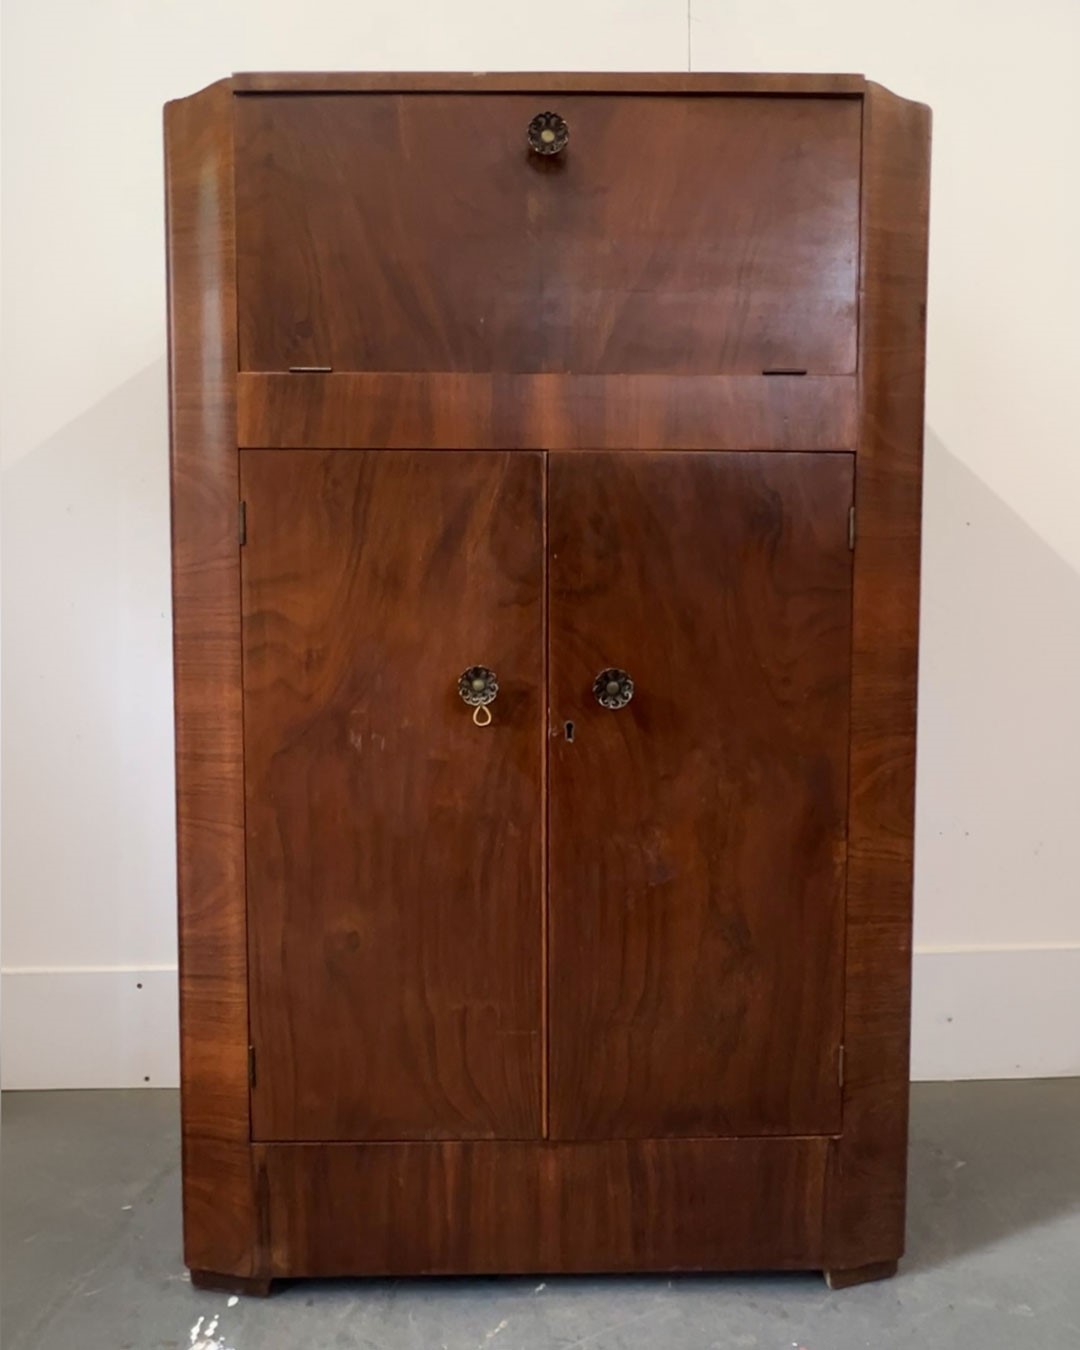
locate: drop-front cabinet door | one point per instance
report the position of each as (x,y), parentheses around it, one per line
(675,235)
(393,847)
(697,833)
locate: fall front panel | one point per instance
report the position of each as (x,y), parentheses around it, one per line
(674,234)
(393,846)
(698,832)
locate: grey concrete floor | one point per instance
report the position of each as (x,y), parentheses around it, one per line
(91,1253)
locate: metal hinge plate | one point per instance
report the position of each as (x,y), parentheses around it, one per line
(840,1065)
(851,527)
(241,523)
(251,1066)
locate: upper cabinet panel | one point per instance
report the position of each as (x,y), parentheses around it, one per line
(674,234)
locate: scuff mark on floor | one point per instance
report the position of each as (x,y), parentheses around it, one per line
(206,1338)
(495,1330)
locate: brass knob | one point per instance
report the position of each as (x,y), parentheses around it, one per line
(548,134)
(478,687)
(613,688)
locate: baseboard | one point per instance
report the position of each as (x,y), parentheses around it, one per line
(103,1027)
(1002,1012)
(1011,1012)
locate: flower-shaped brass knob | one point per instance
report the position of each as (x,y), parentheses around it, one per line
(548,134)
(613,688)
(478,686)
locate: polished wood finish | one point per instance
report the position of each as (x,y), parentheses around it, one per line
(608,412)
(219,1198)
(697,836)
(515,1208)
(548,412)
(868,1164)
(539,82)
(395,867)
(391,232)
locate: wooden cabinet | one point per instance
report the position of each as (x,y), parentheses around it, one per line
(612,972)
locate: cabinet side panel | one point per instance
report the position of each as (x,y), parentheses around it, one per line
(867,1171)
(219,1213)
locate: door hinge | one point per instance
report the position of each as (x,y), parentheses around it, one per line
(241,523)
(251,1066)
(840,1065)
(851,527)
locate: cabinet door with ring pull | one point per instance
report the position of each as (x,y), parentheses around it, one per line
(394,740)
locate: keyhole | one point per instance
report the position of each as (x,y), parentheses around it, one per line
(569,730)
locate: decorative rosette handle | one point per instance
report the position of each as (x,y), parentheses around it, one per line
(613,688)
(478,687)
(548,134)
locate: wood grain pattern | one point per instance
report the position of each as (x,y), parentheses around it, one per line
(596,282)
(697,836)
(539,82)
(219,1201)
(547,412)
(867,1177)
(396,232)
(515,1208)
(394,848)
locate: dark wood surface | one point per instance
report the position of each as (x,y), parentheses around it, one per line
(395,869)
(868,1166)
(398,232)
(219,1198)
(548,412)
(697,836)
(256,1286)
(846,1279)
(540,82)
(507,1208)
(256,1210)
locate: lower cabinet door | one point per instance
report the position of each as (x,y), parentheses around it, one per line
(394,863)
(698,832)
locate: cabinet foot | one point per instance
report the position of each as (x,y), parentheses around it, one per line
(254,1286)
(844,1279)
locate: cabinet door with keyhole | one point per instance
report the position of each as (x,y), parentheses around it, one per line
(393,832)
(700,670)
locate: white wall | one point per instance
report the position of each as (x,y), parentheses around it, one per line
(88,884)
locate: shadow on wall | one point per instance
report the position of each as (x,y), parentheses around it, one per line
(999,720)
(88,802)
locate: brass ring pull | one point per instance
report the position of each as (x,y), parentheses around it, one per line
(548,134)
(613,688)
(478,687)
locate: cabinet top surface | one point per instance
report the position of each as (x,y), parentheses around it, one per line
(673,82)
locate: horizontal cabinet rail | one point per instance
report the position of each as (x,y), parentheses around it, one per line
(359,411)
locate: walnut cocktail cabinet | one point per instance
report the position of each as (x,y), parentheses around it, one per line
(546,461)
